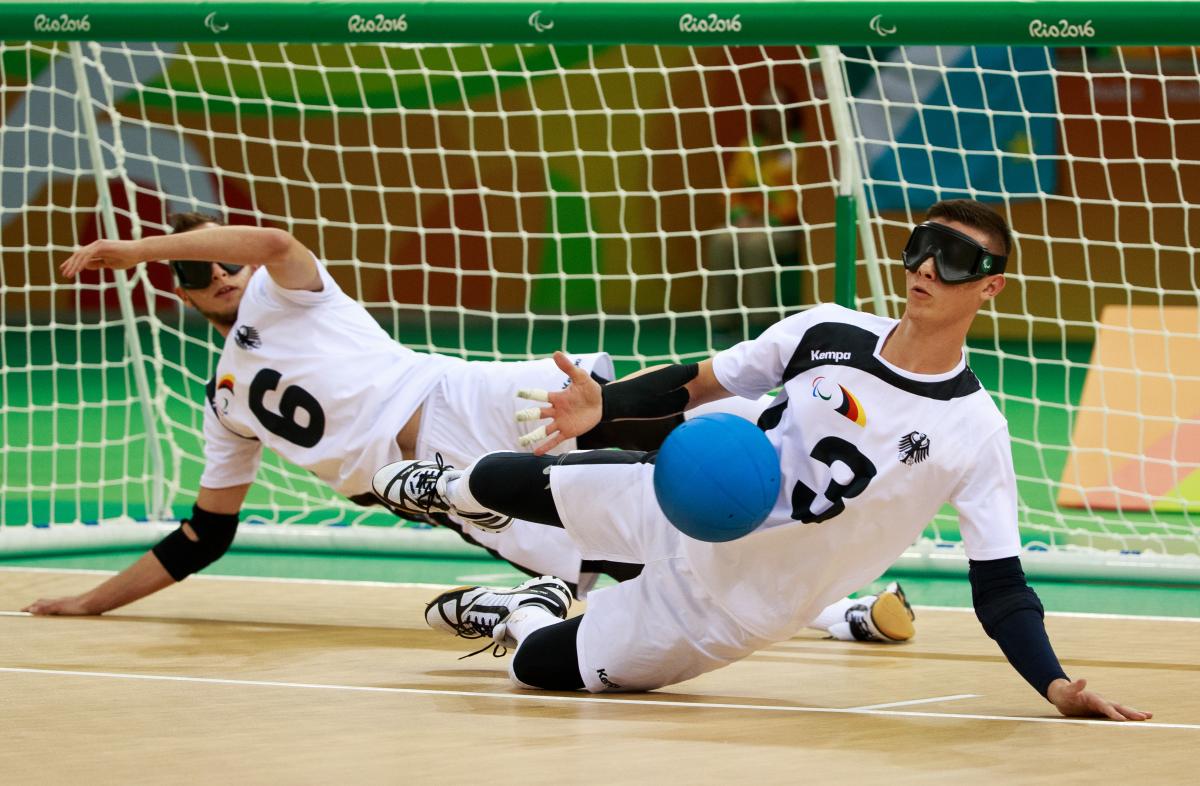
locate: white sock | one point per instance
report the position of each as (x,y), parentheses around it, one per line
(832,618)
(521,624)
(527,620)
(458,493)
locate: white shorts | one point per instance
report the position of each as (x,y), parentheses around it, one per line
(661,627)
(472,412)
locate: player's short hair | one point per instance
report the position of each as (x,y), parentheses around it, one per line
(184,222)
(974,214)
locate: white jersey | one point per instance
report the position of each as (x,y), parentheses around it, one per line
(869,453)
(312,376)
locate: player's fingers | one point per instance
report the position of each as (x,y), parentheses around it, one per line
(1131,714)
(533,394)
(564,363)
(549,445)
(533,437)
(70,268)
(569,368)
(534,413)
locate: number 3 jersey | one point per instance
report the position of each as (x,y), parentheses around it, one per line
(312,376)
(869,453)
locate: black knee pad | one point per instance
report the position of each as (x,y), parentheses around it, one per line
(549,659)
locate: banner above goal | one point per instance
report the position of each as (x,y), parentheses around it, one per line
(848,23)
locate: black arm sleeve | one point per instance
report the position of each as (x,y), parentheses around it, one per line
(656,394)
(181,556)
(1012,615)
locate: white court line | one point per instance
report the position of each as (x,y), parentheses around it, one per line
(1075,614)
(223,577)
(541,697)
(420,585)
(930,700)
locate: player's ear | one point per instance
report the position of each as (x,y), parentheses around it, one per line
(994,286)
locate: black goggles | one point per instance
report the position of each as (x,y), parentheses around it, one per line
(956,257)
(198,275)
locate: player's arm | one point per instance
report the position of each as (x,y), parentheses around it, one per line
(1005,604)
(198,542)
(657,393)
(288,262)
(1012,615)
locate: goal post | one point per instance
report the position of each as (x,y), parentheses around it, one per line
(496,180)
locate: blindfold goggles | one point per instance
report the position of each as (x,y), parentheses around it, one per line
(956,257)
(198,275)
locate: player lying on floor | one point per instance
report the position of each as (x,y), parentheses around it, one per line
(291,377)
(880,422)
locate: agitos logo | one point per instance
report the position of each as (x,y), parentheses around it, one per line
(850,408)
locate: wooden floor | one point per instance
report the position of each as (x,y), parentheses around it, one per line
(257,681)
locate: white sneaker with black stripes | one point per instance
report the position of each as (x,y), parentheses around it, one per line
(887,618)
(479,612)
(418,487)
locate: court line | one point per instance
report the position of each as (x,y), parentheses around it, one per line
(421,585)
(930,700)
(224,577)
(545,697)
(1074,614)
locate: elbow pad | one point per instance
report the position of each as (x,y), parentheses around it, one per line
(181,556)
(658,394)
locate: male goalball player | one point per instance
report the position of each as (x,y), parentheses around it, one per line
(879,423)
(306,371)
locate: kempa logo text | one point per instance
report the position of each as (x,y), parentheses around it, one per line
(710,24)
(1061,29)
(63,23)
(377,24)
(836,357)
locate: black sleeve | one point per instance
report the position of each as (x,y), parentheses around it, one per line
(1012,615)
(656,394)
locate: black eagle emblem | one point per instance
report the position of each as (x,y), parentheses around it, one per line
(247,337)
(914,448)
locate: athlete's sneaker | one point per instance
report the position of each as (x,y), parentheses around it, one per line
(888,618)
(480,612)
(418,488)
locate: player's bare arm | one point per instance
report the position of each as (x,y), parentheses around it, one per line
(149,575)
(287,261)
(652,393)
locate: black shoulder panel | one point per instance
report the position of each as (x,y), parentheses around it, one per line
(839,344)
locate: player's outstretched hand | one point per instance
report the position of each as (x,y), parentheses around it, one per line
(1074,700)
(59,607)
(101,254)
(573,411)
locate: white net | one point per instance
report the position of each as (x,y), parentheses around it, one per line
(1094,157)
(486,202)
(659,203)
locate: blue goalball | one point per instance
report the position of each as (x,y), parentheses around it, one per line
(716,477)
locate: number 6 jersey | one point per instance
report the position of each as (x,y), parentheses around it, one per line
(869,453)
(313,377)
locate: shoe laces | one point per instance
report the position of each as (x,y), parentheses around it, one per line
(478,629)
(425,483)
(498,650)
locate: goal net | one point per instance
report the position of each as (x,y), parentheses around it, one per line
(658,202)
